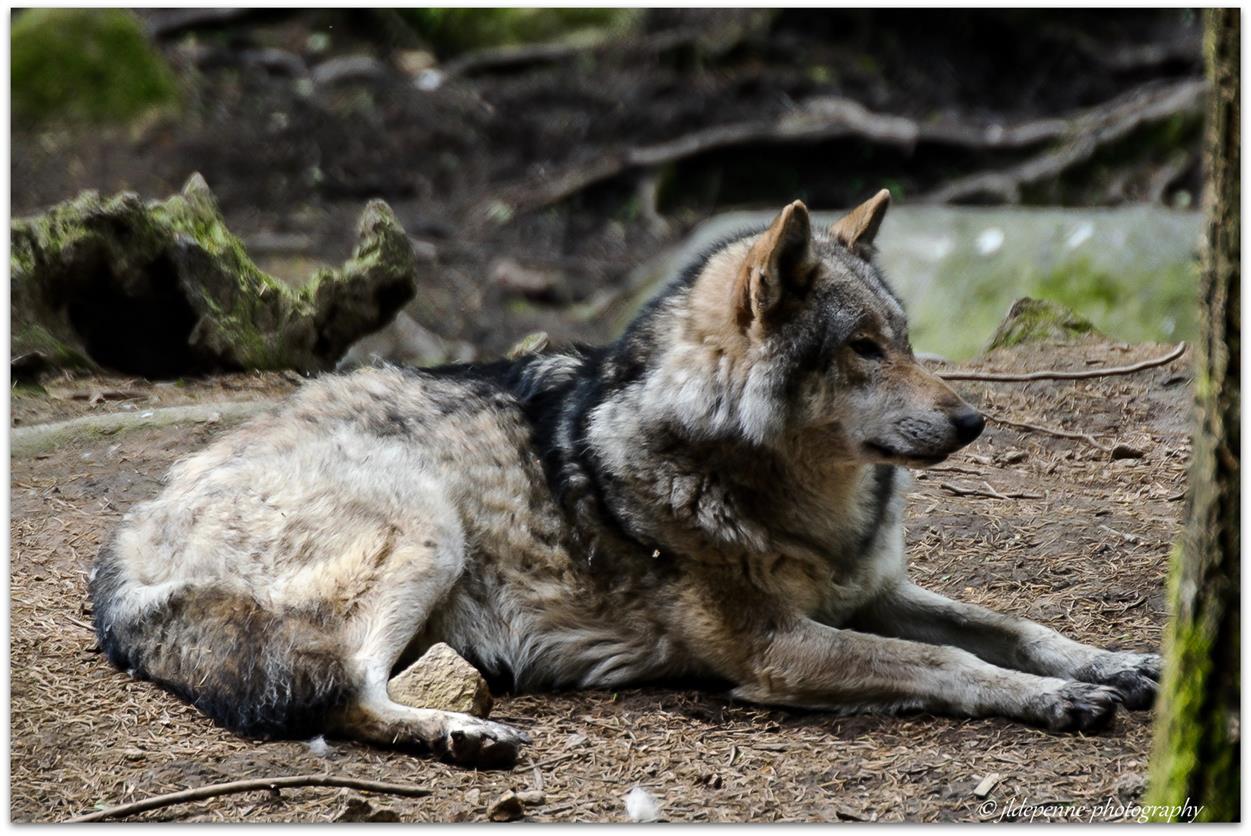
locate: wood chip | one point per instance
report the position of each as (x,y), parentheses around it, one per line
(987,784)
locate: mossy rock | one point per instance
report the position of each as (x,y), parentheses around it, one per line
(165,289)
(453,31)
(1039,320)
(85,65)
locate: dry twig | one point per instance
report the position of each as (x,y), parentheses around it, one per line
(231,787)
(1055,374)
(986,491)
(1021,425)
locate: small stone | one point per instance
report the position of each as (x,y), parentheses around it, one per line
(1129,787)
(532,798)
(507,807)
(443,680)
(358,809)
(473,797)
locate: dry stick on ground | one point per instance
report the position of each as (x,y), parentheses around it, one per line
(987,492)
(825,118)
(1063,375)
(1021,425)
(231,787)
(1055,374)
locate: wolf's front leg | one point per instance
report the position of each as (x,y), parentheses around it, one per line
(816,666)
(910,612)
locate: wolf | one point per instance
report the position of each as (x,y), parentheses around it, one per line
(717,497)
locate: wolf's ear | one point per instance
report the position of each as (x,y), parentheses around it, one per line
(858,227)
(778,263)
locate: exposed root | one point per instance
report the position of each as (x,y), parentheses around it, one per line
(828,118)
(1087,133)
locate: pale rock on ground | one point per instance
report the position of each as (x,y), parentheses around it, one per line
(442,679)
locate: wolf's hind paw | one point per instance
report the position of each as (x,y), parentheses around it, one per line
(481,743)
(1134,675)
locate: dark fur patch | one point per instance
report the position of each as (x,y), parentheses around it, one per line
(258,674)
(883,492)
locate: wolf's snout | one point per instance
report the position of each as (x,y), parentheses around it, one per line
(969,423)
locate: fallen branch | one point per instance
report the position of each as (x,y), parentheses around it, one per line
(1085,374)
(231,787)
(826,118)
(988,492)
(1021,425)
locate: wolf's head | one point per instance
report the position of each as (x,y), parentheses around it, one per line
(793,334)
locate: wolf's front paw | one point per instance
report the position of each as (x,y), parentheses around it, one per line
(1079,706)
(1135,675)
(482,744)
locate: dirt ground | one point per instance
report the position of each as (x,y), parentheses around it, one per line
(1061,533)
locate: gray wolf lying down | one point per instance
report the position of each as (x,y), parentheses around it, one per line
(717,495)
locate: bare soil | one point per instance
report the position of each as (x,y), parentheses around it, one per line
(1084,549)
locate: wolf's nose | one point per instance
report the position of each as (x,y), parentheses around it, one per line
(969,424)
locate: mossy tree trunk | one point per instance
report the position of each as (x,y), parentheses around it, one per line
(1197,734)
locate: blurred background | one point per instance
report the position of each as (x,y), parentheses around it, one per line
(551,166)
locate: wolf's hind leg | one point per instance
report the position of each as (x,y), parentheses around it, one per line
(910,612)
(460,738)
(416,578)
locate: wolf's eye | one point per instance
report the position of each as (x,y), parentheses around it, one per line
(867,348)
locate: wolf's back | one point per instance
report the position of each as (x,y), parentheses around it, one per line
(254,671)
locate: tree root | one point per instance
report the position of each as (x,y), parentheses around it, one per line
(1089,132)
(828,118)
(33,440)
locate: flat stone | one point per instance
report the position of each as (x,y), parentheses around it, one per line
(443,680)
(507,807)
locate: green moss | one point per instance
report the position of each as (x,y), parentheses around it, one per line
(452,31)
(62,354)
(133,253)
(1166,301)
(1156,302)
(1038,320)
(1186,736)
(85,65)
(253,317)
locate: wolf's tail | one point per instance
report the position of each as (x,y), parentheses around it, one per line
(258,673)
